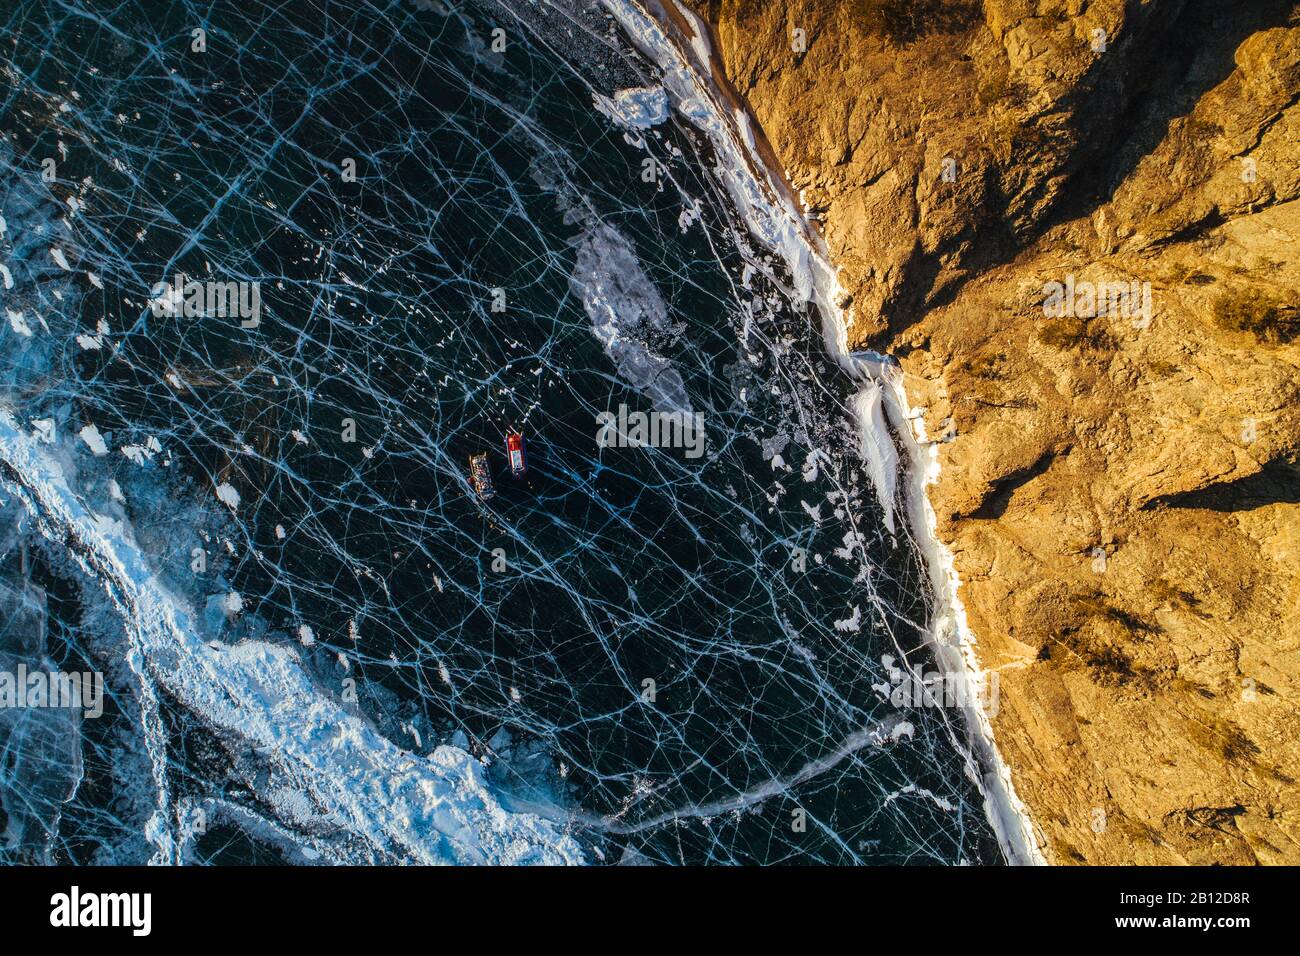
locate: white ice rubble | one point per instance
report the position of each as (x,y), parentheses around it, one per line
(636,108)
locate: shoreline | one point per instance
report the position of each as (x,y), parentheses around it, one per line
(952,638)
(776,218)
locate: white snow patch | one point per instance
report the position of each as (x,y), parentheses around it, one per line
(228,496)
(851,624)
(943,803)
(90,435)
(625,309)
(18,323)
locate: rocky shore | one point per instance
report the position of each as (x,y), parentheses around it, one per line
(1076,224)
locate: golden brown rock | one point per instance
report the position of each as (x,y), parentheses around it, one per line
(1121,490)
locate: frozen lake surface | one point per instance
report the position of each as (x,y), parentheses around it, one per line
(248,506)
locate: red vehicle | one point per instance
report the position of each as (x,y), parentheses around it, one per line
(515,453)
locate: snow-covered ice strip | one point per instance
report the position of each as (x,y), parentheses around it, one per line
(423,809)
(950,634)
(776,220)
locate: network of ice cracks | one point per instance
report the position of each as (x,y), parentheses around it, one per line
(318,645)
